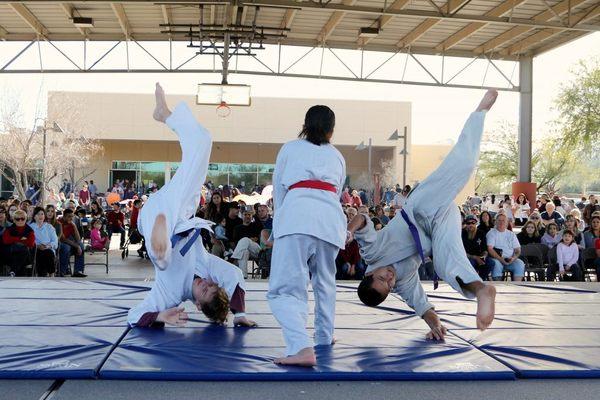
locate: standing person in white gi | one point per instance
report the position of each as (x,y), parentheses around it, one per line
(429,223)
(184,269)
(309,228)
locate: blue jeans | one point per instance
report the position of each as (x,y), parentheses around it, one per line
(483,270)
(517,268)
(65,252)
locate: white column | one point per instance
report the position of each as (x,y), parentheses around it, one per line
(525,118)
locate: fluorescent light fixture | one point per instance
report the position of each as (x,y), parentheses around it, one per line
(368,32)
(83,22)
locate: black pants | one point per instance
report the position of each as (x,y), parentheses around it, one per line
(575,269)
(520,221)
(120,230)
(19,256)
(45,262)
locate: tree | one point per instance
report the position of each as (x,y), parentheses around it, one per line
(498,164)
(21,155)
(579,106)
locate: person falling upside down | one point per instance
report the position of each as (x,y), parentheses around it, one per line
(429,223)
(183,268)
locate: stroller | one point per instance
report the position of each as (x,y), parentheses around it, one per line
(134,238)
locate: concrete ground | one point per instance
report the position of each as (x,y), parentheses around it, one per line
(424,390)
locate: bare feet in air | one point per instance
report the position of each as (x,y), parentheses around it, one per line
(161,112)
(488,100)
(486,305)
(160,241)
(304,358)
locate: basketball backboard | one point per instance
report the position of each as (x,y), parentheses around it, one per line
(217,94)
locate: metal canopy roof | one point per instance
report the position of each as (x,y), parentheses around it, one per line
(467,28)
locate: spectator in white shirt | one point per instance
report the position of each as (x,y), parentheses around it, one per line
(401,197)
(505,249)
(567,255)
(521,210)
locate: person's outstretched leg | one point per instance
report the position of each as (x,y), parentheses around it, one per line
(288,296)
(452,265)
(179,198)
(456,169)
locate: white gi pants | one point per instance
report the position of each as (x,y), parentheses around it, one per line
(433,205)
(245,249)
(179,198)
(294,256)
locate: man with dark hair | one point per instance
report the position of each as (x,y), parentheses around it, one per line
(428,224)
(73,245)
(116,222)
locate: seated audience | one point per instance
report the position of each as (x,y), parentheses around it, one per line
(246,237)
(567,255)
(46,242)
(348,262)
(19,240)
(264,217)
(572,225)
(536,218)
(98,240)
(475,244)
(116,223)
(73,245)
(593,233)
(380,214)
(486,222)
(552,216)
(504,248)
(551,238)
(529,234)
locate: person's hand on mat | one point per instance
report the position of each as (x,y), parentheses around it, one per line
(173,316)
(438,331)
(245,322)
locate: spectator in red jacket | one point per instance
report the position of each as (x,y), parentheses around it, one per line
(19,240)
(116,222)
(348,262)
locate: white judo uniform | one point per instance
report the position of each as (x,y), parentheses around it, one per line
(309,228)
(178,201)
(430,206)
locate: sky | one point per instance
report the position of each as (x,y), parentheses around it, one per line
(437,113)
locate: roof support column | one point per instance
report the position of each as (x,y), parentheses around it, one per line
(525,117)
(524,184)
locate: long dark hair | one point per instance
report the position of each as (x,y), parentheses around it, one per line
(318,123)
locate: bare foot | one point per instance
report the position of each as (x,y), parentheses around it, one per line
(304,358)
(161,112)
(160,241)
(486,304)
(488,100)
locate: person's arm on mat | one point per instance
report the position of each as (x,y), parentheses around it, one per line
(411,290)
(237,305)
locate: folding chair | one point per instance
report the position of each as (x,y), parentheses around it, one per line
(587,259)
(534,261)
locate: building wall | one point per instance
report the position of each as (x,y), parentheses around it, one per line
(252,134)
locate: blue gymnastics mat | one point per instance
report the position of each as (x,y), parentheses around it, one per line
(77,329)
(55,352)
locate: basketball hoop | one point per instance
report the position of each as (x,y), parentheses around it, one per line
(223,110)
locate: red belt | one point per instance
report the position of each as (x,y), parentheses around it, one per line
(314,185)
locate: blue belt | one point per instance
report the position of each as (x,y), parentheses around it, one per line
(178,236)
(415,234)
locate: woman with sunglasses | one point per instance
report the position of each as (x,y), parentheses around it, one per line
(20,241)
(536,218)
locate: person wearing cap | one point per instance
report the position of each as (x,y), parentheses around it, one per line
(183,268)
(476,247)
(428,224)
(309,228)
